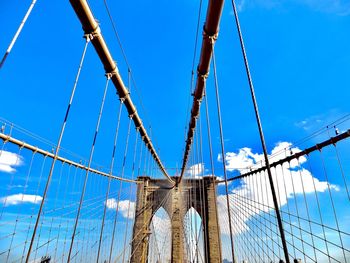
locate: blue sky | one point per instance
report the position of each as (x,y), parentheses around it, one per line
(298,52)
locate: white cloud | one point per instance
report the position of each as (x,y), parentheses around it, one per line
(126,207)
(9,160)
(241,160)
(255,189)
(195,170)
(17,199)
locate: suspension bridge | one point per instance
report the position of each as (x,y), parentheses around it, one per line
(290,204)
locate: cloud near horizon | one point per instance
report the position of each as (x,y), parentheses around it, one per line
(293,179)
(18,199)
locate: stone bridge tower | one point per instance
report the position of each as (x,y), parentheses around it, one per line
(155,193)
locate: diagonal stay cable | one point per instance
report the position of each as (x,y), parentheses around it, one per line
(262,138)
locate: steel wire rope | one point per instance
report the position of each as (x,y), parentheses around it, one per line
(14,39)
(201,188)
(332,203)
(288,209)
(297,208)
(197,189)
(210,148)
(67,225)
(120,185)
(193,62)
(89,165)
(242,213)
(343,174)
(87,38)
(222,145)
(257,197)
(54,206)
(130,192)
(241,201)
(269,207)
(306,208)
(138,92)
(116,134)
(279,199)
(21,200)
(262,138)
(275,233)
(18,158)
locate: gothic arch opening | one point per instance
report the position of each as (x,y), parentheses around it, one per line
(160,238)
(194,237)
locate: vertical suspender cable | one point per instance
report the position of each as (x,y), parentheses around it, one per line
(223,151)
(112,166)
(130,192)
(211,153)
(257,116)
(88,38)
(120,186)
(109,180)
(17,33)
(87,171)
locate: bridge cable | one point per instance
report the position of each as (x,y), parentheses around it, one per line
(125,59)
(54,208)
(343,174)
(18,154)
(110,172)
(21,200)
(121,184)
(332,205)
(257,116)
(193,62)
(130,192)
(196,193)
(92,150)
(207,118)
(306,207)
(87,38)
(14,39)
(222,148)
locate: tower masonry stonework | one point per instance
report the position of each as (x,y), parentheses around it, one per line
(199,194)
